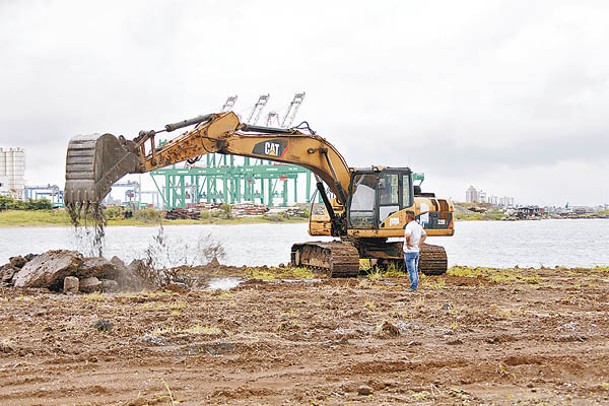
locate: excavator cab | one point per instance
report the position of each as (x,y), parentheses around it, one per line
(376,194)
(379,198)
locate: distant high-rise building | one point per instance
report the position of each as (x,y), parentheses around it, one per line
(472,195)
(12,171)
(506,201)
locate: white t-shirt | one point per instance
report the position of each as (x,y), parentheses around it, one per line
(415,231)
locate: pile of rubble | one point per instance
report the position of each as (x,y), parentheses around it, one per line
(70,272)
(248,209)
(203,206)
(180,214)
(280,214)
(477,209)
(297,211)
(245,209)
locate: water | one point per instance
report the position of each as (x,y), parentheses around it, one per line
(568,242)
(572,243)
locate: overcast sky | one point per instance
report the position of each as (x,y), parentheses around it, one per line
(508,96)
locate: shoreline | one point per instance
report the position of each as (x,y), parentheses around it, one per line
(50,218)
(241,220)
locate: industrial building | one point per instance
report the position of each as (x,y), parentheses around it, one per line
(12,172)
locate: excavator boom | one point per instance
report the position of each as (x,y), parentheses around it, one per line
(95,162)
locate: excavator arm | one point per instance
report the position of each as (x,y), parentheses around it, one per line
(95,162)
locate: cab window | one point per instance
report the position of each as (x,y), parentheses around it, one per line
(361,212)
(389,195)
(389,189)
(406,192)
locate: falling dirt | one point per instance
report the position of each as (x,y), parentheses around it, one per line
(88,217)
(525,336)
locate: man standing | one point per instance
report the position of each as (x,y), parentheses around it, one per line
(414,235)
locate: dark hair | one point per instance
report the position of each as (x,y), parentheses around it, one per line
(410,213)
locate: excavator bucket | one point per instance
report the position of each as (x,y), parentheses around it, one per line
(93,163)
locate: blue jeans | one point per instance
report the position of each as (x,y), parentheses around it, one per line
(412,266)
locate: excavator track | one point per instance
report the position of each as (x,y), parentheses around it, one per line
(433,260)
(337,259)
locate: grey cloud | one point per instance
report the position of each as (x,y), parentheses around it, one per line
(456,89)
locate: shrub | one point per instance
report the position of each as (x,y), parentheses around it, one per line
(8,203)
(148,215)
(113,212)
(39,204)
(276,217)
(226,211)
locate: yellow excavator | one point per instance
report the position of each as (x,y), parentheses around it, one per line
(365,209)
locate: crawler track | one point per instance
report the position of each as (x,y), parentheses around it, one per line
(336,258)
(341,259)
(433,260)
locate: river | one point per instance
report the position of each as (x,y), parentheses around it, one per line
(571,243)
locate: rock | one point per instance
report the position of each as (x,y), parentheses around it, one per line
(70,284)
(108,285)
(124,277)
(6,347)
(103,325)
(48,270)
(137,265)
(364,390)
(142,275)
(90,284)
(117,262)
(99,267)
(214,262)
(178,287)
(7,273)
(17,262)
(30,256)
(387,330)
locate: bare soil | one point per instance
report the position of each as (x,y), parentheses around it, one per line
(521,336)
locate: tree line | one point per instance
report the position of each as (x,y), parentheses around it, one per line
(9,203)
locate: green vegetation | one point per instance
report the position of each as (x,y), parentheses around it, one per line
(10,218)
(8,203)
(275,273)
(497,275)
(495,214)
(469,216)
(488,212)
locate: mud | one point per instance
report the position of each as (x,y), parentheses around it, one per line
(521,336)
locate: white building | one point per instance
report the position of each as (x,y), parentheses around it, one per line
(472,195)
(12,172)
(506,201)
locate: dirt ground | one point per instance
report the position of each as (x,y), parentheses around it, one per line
(477,336)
